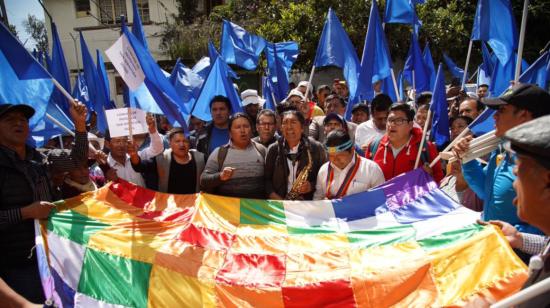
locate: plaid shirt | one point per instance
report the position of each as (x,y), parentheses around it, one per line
(534,244)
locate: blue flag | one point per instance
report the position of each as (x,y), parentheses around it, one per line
(376,62)
(59,71)
(428,60)
(453,68)
(484,122)
(415,63)
(538,72)
(240,47)
(267,94)
(22,79)
(503,74)
(495,24)
(46,128)
(217,83)
(165,96)
(401,12)
(389,89)
(80,90)
(104,81)
(489,60)
(95,92)
(202,67)
(187,83)
(137,26)
(280,58)
(440,133)
(213,55)
(335,48)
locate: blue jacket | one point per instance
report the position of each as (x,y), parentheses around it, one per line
(493,184)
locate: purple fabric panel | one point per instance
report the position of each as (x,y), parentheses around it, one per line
(407,187)
(433,204)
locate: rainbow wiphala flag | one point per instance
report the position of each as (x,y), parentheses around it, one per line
(405,243)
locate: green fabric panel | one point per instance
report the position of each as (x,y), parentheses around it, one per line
(114,279)
(449,238)
(262,212)
(74,226)
(385,236)
(310,230)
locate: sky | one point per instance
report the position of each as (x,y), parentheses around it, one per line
(17,11)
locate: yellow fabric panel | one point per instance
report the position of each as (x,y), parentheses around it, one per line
(170,203)
(260,239)
(138,240)
(191,261)
(171,289)
(390,275)
(238,296)
(105,207)
(217,213)
(473,266)
(317,242)
(309,268)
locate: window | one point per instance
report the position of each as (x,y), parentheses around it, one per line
(110,11)
(82,7)
(143,8)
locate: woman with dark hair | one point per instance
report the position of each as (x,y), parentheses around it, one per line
(292,163)
(236,169)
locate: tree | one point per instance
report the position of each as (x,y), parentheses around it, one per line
(446,25)
(37,30)
(187,11)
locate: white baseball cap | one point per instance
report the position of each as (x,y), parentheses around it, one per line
(250,96)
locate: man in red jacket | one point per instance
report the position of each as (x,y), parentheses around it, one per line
(396,151)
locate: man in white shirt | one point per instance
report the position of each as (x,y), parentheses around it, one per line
(376,126)
(119,147)
(346,173)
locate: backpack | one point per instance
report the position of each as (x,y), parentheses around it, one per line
(373,147)
(222,153)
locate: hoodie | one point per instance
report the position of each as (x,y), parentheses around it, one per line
(404,162)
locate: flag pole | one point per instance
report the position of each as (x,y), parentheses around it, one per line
(521,40)
(130,135)
(424,133)
(467,63)
(310,86)
(414,84)
(56,122)
(395,87)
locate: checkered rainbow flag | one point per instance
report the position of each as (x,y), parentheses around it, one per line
(404,243)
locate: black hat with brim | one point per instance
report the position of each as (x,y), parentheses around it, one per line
(27,110)
(524,96)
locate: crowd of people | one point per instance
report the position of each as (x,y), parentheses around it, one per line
(304,150)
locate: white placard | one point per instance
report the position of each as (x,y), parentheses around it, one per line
(124,60)
(117,119)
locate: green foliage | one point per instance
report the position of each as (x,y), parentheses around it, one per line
(36,28)
(446,26)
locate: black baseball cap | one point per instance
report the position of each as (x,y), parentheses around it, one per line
(27,110)
(524,96)
(337,117)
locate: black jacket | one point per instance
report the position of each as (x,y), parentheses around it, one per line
(277,170)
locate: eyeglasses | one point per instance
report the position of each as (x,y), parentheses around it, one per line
(266,124)
(398,121)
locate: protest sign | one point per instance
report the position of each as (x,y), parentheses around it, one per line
(117,119)
(124,59)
